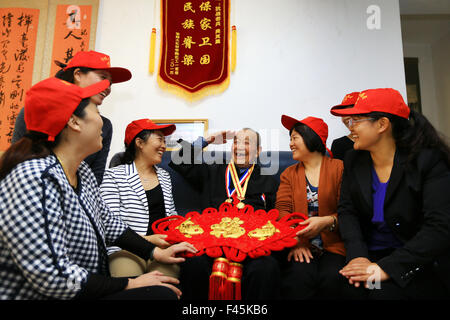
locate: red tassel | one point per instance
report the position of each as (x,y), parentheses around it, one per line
(218,279)
(233,284)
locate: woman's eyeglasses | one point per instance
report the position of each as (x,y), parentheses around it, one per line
(351,121)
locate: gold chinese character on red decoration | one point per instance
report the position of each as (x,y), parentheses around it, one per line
(188,59)
(188,24)
(205,42)
(205,23)
(188,7)
(187,42)
(205,59)
(205,6)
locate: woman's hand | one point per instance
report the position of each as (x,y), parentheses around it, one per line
(314,226)
(359,270)
(154,278)
(220,137)
(168,255)
(158,240)
(301,252)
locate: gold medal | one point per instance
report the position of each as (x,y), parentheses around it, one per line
(240,190)
(229,200)
(240,205)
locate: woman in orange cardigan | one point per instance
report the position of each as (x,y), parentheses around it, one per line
(312,186)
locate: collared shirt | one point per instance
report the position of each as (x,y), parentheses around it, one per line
(52,238)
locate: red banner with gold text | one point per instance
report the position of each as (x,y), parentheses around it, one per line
(194,59)
(18,33)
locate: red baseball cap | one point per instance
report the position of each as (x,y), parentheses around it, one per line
(96,60)
(135,127)
(385,100)
(50,103)
(315,124)
(348,101)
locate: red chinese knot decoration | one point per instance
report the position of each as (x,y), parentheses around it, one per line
(233,233)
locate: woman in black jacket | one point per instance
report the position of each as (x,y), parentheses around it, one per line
(394,210)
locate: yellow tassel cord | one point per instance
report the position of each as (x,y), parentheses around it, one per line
(151,65)
(233,48)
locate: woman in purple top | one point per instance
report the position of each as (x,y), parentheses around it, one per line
(394,210)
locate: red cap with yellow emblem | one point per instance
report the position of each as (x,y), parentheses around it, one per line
(101,61)
(315,124)
(385,100)
(50,103)
(135,127)
(348,101)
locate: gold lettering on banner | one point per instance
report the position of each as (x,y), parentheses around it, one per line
(188,24)
(205,6)
(188,42)
(188,7)
(205,42)
(264,232)
(228,228)
(189,228)
(188,59)
(205,59)
(205,23)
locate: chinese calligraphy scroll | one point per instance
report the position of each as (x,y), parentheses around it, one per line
(72,32)
(18,30)
(194,58)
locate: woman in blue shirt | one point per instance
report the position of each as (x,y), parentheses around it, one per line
(394,209)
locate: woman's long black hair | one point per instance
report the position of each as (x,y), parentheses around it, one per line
(414,134)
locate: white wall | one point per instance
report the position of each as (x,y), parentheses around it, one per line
(441,54)
(427,37)
(422,51)
(294,57)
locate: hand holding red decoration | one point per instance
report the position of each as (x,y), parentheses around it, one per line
(220,137)
(169,255)
(314,226)
(158,240)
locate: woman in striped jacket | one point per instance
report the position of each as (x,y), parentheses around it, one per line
(140,193)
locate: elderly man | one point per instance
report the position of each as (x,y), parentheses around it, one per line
(217,183)
(215,180)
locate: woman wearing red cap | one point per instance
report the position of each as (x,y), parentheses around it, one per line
(140,193)
(340,146)
(394,211)
(54,224)
(312,186)
(84,69)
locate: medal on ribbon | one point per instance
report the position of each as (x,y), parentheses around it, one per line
(240,185)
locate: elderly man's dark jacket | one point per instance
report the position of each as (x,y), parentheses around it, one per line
(209,180)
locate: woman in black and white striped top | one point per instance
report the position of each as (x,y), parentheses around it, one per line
(140,193)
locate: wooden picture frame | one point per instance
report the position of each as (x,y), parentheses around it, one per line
(187,129)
